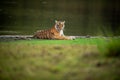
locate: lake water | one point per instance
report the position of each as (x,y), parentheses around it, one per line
(82,17)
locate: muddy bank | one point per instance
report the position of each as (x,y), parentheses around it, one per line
(29,37)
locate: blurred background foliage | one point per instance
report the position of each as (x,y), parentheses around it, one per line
(83,17)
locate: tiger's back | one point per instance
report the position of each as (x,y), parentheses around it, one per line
(43,34)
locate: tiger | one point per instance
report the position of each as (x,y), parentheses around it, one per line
(56,32)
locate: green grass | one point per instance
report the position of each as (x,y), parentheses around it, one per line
(77,41)
(80,59)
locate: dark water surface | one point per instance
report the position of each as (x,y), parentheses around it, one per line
(83,17)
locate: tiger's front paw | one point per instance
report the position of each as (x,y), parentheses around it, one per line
(72,37)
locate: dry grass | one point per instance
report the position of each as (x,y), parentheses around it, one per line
(27,60)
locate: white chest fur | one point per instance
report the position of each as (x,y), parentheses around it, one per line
(61,33)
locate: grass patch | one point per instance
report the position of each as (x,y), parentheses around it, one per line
(113,48)
(78,59)
(77,41)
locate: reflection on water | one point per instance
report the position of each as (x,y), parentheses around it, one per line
(83,17)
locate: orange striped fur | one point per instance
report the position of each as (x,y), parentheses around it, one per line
(56,32)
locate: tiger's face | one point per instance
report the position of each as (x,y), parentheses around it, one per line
(59,25)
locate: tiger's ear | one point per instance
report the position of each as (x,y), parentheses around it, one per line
(63,21)
(56,21)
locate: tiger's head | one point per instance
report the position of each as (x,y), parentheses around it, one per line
(59,25)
